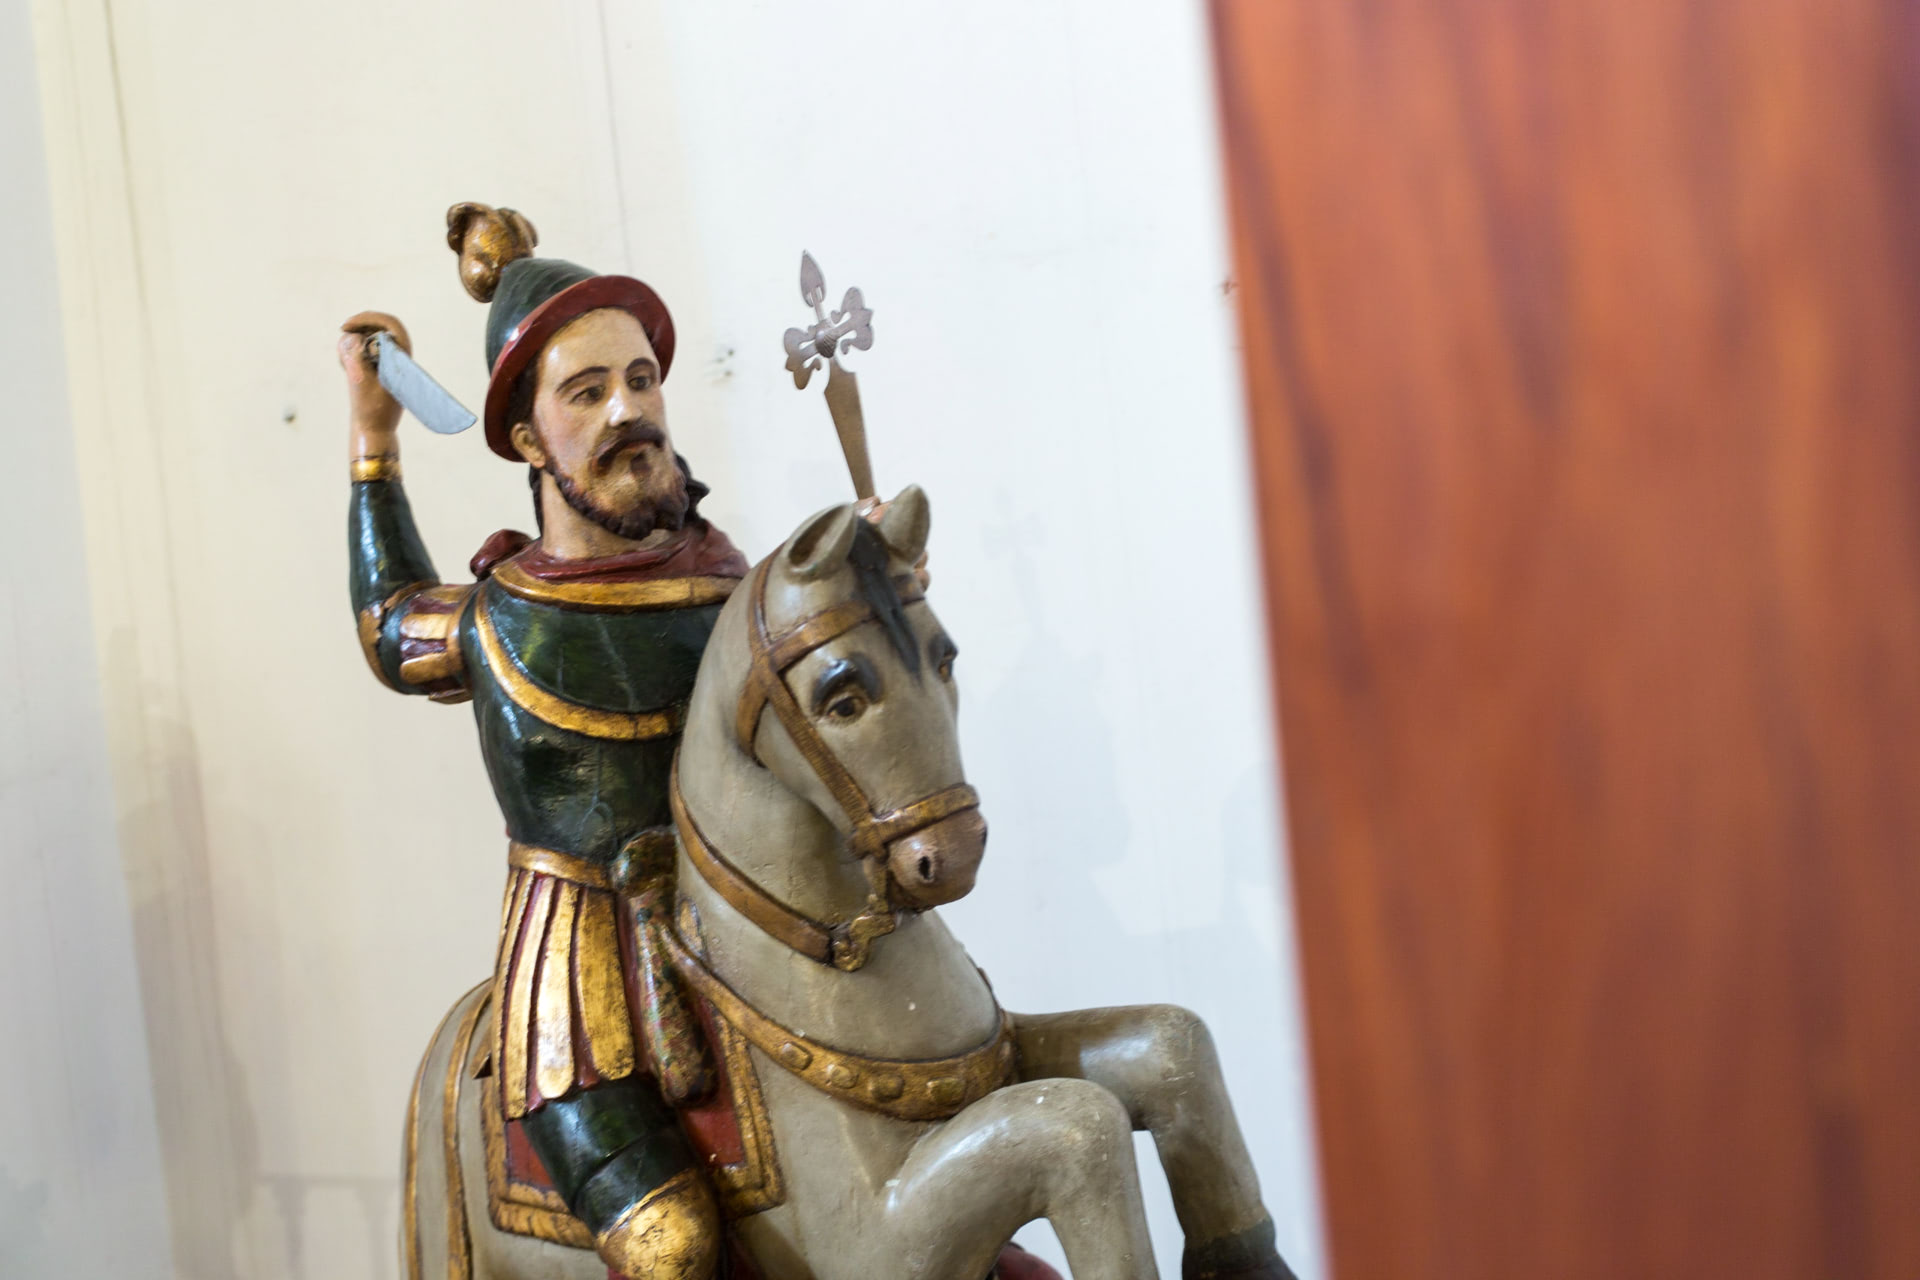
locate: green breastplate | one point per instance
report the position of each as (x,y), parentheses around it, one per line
(579,713)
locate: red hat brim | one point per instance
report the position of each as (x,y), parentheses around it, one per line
(529,338)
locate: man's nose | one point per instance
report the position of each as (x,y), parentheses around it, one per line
(622,406)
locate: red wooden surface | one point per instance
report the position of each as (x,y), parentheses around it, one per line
(1583,341)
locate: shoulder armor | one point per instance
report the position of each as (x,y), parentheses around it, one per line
(430,657)
(428,639)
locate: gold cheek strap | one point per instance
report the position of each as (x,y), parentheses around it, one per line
(772,656)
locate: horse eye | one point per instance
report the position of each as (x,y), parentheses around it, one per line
(846,688)
(943,652)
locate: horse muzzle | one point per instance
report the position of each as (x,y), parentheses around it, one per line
(938,863)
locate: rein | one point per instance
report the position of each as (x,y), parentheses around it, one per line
(849,945)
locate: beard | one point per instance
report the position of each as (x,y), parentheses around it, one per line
(666,504)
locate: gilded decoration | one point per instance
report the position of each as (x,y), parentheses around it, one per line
(906,1089)
(614,597)
(559,712)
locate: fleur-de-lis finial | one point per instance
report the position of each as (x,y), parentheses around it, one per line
(850,328)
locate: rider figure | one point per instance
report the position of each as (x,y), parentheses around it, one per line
(578,650)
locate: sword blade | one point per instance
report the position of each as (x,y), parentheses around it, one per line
(843,402)
(417,392)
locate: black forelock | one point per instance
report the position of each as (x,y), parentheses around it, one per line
(869,559)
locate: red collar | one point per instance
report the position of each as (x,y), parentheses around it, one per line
(697,551)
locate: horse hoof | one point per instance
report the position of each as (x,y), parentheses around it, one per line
(1245,1255)
(1274,1268)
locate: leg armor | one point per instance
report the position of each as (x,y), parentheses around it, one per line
(618,1159)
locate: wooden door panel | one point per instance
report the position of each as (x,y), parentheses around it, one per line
(1583,346)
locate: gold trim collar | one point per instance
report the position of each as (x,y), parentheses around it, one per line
(613,597)
(557,711)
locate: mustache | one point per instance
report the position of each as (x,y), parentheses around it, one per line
(638,432)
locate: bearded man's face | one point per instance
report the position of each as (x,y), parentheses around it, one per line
(600,421)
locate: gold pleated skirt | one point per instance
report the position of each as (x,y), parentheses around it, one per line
(559,988)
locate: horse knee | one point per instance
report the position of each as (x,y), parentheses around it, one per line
(1174,1042)
(1088,1134)
(1165,1056)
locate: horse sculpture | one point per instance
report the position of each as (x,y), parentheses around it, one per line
(878,1113)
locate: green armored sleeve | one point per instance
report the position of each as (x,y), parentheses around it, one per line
(408,622)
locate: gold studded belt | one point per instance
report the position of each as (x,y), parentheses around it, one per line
(905,1089)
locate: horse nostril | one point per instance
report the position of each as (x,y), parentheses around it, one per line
(936,864)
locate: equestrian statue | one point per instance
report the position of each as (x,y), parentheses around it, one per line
(727,1033)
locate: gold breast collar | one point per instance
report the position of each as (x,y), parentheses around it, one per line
(919,1089)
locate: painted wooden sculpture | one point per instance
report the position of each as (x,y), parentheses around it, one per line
(726,1033)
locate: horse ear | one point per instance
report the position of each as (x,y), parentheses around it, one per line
(823,542)
(904,526)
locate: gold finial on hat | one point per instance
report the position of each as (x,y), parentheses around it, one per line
(487,239)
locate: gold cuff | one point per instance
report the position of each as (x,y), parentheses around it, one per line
(382,466)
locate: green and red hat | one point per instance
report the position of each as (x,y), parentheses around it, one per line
(533,299)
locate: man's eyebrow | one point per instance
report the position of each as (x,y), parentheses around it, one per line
(578,374)
(638,361)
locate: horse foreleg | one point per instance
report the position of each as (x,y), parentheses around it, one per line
(1060,1150)
(1159,1061)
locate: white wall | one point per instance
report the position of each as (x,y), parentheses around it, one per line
(79,1151)
(1028,192)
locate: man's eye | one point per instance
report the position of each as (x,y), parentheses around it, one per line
(847,706)
(639,382)
(946,668)
(587,395)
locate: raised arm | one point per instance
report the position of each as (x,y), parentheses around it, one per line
(408,621)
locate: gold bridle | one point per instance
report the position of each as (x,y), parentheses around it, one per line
(847,945)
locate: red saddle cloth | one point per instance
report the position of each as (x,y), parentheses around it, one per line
(1017,1264)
